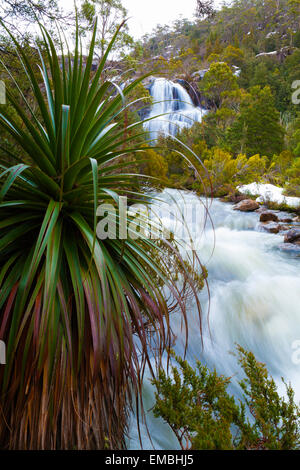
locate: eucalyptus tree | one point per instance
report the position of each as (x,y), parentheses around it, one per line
(110,14)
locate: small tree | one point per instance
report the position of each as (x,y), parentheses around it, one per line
(110,14)
(257,128)
(14,13)
(218,80)
(233,56)
(277,172)
(293,186)
(203,415)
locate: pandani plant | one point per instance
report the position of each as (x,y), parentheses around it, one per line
(76,312)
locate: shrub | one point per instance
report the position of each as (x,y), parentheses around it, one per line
(204,416)
(280,164)
(293,186)
(225,171)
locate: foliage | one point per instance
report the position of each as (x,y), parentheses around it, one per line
(279,166)
(10,64)
(215,124)
(294,136)
(233,56)
(75,311)
(293,173)
(110,14)
(154,165)
(257,128)
(203,415)
(15,14)
(218,80)
(226,171)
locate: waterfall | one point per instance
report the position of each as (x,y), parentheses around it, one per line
(172,100)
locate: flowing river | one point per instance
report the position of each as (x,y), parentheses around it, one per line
(254,301)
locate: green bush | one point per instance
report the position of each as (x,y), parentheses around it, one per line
(224,171)
(293,185)
(203,415)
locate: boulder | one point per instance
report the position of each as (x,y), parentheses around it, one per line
(286,220)
(247,205)
(292,236)
(268,217)
(271,227)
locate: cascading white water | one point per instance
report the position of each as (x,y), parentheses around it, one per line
(172,100)
(255,299)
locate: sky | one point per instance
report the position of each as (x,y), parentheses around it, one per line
(146,14)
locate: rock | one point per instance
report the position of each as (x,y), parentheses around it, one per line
(199,74)
(272,227)
(144,112)
(234,198)
(292,236)
(268,216)
(247,205)
(147,82)
(296,219)
(284,228)
(286,220)
(261,209)
(280,55)
(289,247)
(238,199)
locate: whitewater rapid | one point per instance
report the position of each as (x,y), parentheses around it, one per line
(254,301)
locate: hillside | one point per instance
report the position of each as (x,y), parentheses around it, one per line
(242,64)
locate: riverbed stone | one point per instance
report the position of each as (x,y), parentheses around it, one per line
(289,247)
(284,228)
(271,227)
(261,209)
(234,198)
(247,205)
(292,236)
(268,216)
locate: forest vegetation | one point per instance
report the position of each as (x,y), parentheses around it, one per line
(250,53)
(79,314)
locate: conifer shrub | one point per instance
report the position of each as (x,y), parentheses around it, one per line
(204,415)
